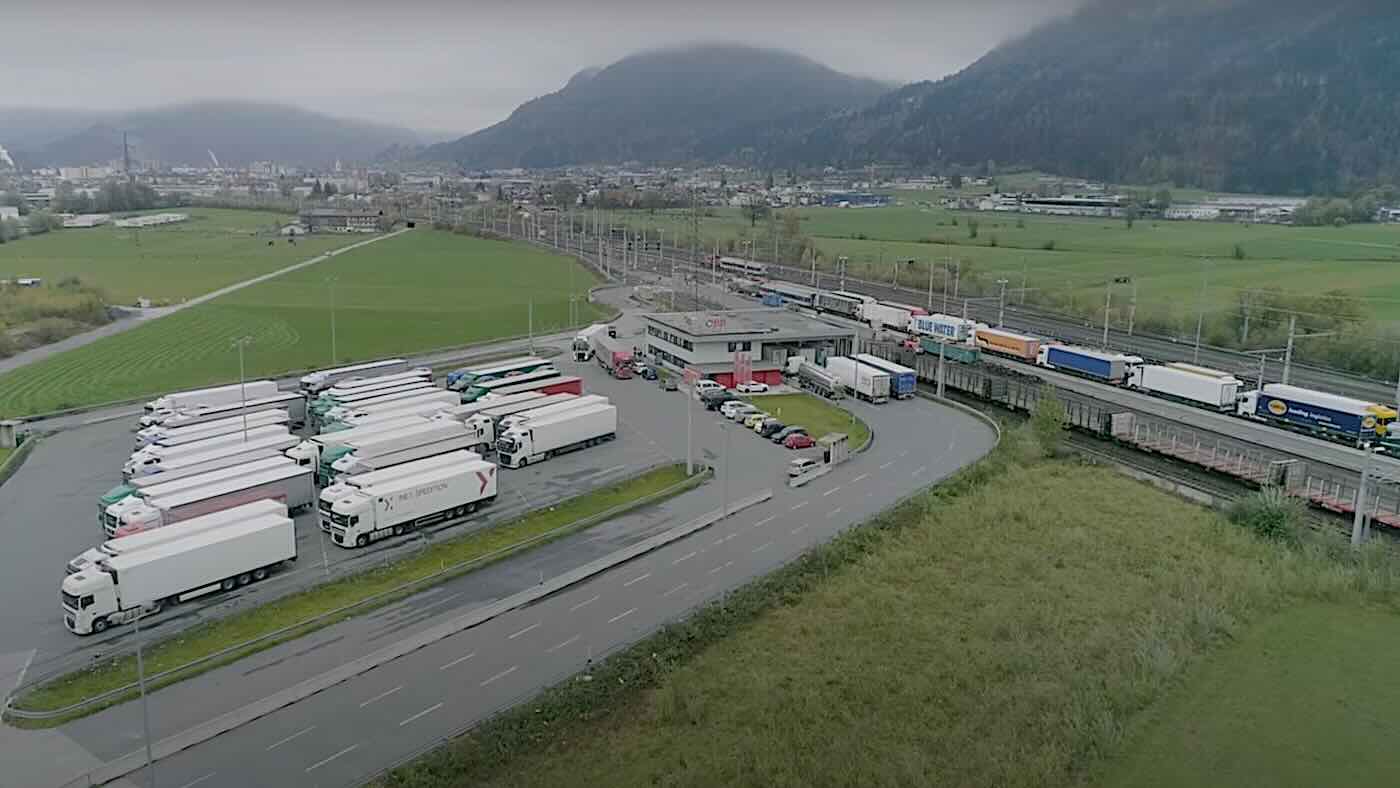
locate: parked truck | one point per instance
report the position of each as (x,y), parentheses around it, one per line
(1101,365)
(292,485)
(1333,417)
(117,589)
(526,416)
(316,382)
(583,342)
(291,402)
(432,398)
(359,481)
(862,380)
(881,316)
(178,436)
(430,438)
(146,539)
(426,407)
(111,506)
(208,442)
(611,356)
(158,462)
(814,378)
(218,395)
(904,382)
(1199,386)
(468,409)
(332,445)
(318,409)
(544,438)
(948,327)
(433,493)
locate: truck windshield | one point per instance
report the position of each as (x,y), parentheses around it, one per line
(69,601)
(339,519)
(505,445)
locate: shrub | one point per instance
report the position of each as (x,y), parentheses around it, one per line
(1238,252)
(1048,422)
(1270,513)
(972,228)
(1048,246)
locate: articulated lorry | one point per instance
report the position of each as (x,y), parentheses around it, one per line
(611,356)
(544,438)
(360,481)
(468,409)
(527,416)
(208,442)
(118,500)
(141,541)
(583,342)
(863,380)
(141,482)
(432,494)
(116,590)
(293,403)
(323,405)
(218,395)
(904,382)
(426,407)
(293,485)
(158,462)
(1200,386)
(316,382)
(433,398)
(178,436)
(814,378)
(428,439)
(330,446)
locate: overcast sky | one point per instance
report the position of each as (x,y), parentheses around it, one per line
(450,66)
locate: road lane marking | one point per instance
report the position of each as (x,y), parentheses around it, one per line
(764,521)
(296,735)
(685,557)
(859,478)
(722,567)
(565,644)
(762,546)
(886,465)
(197,781)
(381,696)
(799,505)
(920,470)
(458,661)
(523,631)
(674,590)
(501,675)
(428,710)
(834,512)
(588,601)
(832,490)
(799,528)
(325,761)
(624,614)
(636,580)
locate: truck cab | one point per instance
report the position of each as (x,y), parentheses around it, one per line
(349,519)
(305,453)
(91,604)
(137,518)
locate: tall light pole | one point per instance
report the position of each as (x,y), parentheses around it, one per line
(242,387)
(1292,335)
(330,285)
(1001,307)
(842,262)
(1132,304)
(930,286)
(1200,314)
(145,704)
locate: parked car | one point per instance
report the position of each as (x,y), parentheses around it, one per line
(781,435)
(769,427)
(668,383)
(802,465)
(799,441)
(753,418)
(752,387)
(729,408)
(703,386)
(714,400)
(646,372)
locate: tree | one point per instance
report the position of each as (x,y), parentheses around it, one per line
(1163,199)
(1130,214)
(330,190)
(956,181)
(792,224)
(317,190)
(1048,422)
(564,193)
(769,183)
(754,210)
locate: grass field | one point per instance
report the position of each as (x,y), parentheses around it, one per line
(1166,258)
(418,291)
(1007,630)
(492,543)
(166,264)
(1301,700)
(817,415)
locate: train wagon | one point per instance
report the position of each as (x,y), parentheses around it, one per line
(952,351)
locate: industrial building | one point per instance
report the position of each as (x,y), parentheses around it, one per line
(761,339)
(152,219)
(337,220)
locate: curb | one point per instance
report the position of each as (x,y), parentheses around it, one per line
(261,708)
(11,466)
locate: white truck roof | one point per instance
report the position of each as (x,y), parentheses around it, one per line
(187,496)
(215,476)
(358,433)
(147,539)
(454,459)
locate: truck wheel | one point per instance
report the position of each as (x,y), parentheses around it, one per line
(471,508)
(259,574)
(398,530)
(244,579)
(361,540)
(227,584)
(99,626)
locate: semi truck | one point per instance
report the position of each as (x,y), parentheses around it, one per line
(1200,386)
(157,462)
(904,382)
(954,329)
(814,378)
(358,385)
(862,380)
(211,441)
(111,506)
(1006,343)
(360,481)
(218,395)
(498,412)
(131,485)
(467,410)
(881,316)
(292,485)
(318,409)
(526,416)
(316,382)
(391,448)
(427,406)
(466,377)
(558,384)
(141,541)
(543,438)
(1101,365)
(583,342)
(117,589)
(841,303)
(404,503)
(178,436)
(544,376)
(440,397)
(309,452)
(292,402)
(1330,416)
(611,356)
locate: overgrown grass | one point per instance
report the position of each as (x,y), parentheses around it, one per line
(215,636)
(817,415)
(1004,629)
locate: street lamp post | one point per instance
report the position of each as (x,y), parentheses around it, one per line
(145,704)
(1292,335)
(1200,314)
(242,387)
(1001,307)
(330,284)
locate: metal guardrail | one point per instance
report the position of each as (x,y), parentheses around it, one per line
(158,679)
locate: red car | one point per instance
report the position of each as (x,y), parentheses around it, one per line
(799,441)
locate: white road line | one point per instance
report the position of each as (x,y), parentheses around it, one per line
(762,546)
(501,675)
(636,580)
(197,781)
(685,557)
(296,735)
(799,505)
(834,512)
(799,528)
(458,661)
(29,660)
(565,644)
(523,631)
(428,710)
(764,521)
(325,761)
(832,490)
(624,614)
(381,696)
(588,601)
(859,478)
(721,568)
(677,588)
(920,470)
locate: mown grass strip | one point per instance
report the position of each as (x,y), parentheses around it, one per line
(215,636)
(817,415)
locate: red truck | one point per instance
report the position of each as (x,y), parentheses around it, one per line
(617,362)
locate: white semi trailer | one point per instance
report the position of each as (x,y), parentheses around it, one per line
(862,380)
(324,379)
(200,445)
(1201,386)
(440,398)
(404,503)
(332,444)
(544,438)
(294,403)
(526,416)
(218,395)
(117,589)
(146,539)
(468,409)
(427,406)
(293,485)
(229,454)
(178,436)
(360,481)
(391,448)
(109,513)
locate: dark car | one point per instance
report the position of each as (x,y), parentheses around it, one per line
(648,373)
(713,399)
(612,331)
(772,428)
(781,435)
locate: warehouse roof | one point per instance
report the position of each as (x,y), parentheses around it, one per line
(772,323)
